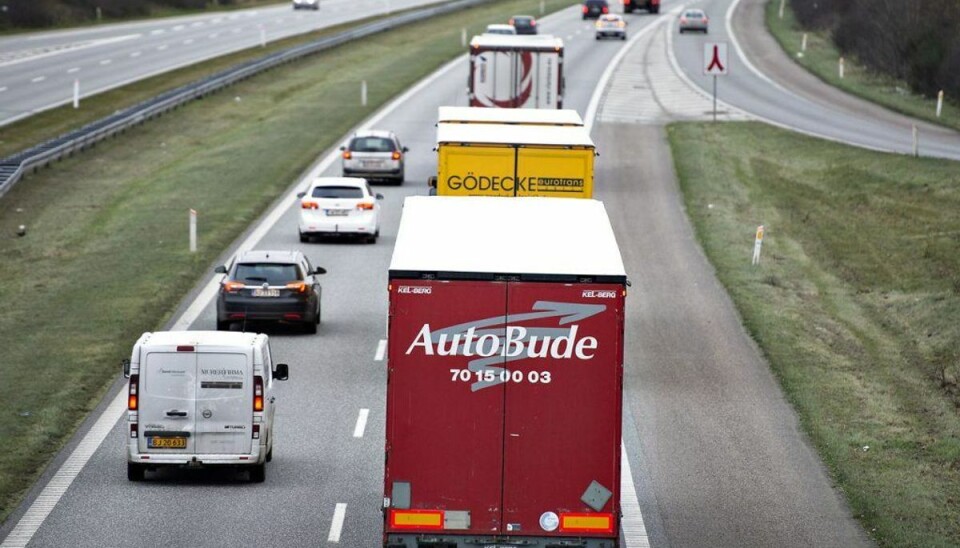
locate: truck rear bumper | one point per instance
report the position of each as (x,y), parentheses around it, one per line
(409,540)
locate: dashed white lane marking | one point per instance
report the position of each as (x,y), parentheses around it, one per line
(3,89)
(135,54)
(158,31)
(38,79)
(162,47)
(237,30)
(213,35)
(361,423)
(198,24)
(58,485)
(381,350)
(178,27)
(634,531)
(569,37)
(106,61)
(74,69)
(188,41)
(336,527)
(218,20)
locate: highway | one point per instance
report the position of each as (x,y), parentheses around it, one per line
(717,454)
(38,70)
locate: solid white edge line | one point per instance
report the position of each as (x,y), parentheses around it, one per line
(728,20)
(34,517)
(361,423)
(336,526)
(631,521)
(381,350)
(591,113)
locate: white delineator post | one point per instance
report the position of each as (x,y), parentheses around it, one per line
(76,93)
(803,42)
(840,68)
(782,2)
(939,103)
(916,141)
(463,37)
(363,93)
(263,37)
(757,243)
(193,231)
(543,7)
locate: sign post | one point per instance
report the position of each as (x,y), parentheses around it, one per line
(715,64)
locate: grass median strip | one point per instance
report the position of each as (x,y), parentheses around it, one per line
(855,303)
(822,58)
(105,255)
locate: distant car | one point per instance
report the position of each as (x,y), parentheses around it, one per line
(336,206)
(272,286)
(524,24)
(375,155)
(498,28)
(694,20)
(306,4)
(593,9)
(611,25)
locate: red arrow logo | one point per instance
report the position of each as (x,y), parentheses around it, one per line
(715,63)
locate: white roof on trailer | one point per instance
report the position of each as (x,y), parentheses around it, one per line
(513,134)
(548,236)
(517,41)
(529,116)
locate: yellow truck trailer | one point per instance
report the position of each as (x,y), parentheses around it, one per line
(483,159)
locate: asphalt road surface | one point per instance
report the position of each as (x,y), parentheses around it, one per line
(717,455)
(38,70)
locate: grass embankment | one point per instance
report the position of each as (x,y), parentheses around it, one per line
(105,257)
(855,303)
(822,59)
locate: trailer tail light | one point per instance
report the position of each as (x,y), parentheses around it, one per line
(347,155)
(309,205)
(584,8)
(586,523)
(365,205)
(133,429)
(396,155)
(232,287)
(256,431)
(258,393)
(132,400)
(416,519)
(298,287)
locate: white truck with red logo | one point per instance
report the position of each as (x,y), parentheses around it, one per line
(516,71)
(505,366)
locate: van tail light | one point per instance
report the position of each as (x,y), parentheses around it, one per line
(299,287)
(309,205)
(258,393)
(365,205)
(233,287)
(396,155)
(256,431)
(347,155)
(132,395)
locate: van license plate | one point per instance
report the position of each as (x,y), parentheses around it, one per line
(167,443)
(261,292)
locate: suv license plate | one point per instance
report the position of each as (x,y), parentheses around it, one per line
(261,292)
(167,443)
(336,212)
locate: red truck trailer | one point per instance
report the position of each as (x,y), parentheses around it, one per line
(505,366)
(510,71)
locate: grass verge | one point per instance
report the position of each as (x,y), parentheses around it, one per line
(105,257)
(822,59)
(855,303)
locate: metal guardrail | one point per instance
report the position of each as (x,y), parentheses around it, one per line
(14,167)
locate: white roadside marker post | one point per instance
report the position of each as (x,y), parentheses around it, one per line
(757,243)
(193,231)
(263,37)
(463,37)
(939,103)
(840,69)
(803,43)
(543,7)
(916,141)
(363,93)
(782,2)
(76,93)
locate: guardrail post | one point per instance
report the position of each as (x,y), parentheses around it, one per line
(363,93)
(939,103)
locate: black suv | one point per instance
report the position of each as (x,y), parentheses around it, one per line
(593,9)
(525,24)
(269,285)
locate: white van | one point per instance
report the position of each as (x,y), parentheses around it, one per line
(200,398)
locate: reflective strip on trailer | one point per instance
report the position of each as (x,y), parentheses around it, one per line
(416,519)
(586,523)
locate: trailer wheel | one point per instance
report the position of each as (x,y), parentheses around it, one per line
(135,471)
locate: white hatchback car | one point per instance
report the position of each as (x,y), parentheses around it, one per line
(337,206)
